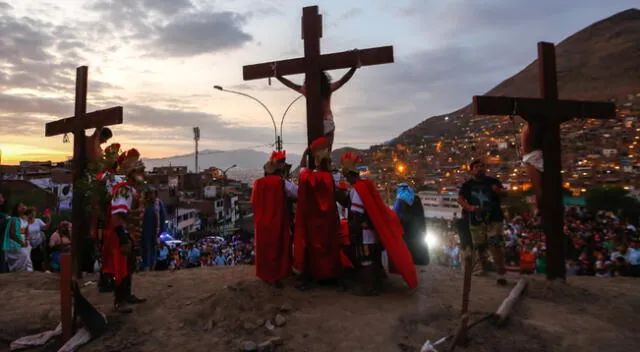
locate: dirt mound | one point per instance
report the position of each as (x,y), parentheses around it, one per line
(224,309)
(246,311)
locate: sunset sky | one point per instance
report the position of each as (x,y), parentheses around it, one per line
(160,58)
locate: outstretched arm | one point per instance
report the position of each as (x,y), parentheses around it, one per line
(290,84)
(347,76)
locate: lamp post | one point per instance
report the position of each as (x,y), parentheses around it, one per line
(278,138)
(275,128)
(285,114)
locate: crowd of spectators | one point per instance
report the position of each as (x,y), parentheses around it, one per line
(598,244)
(211,251)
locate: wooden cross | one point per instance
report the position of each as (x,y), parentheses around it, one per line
(549,113)
(77,124)
(313,63)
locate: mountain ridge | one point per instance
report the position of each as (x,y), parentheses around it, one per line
(599,62)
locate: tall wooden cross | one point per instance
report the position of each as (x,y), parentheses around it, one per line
(549,113)
(77,124)
(313,63)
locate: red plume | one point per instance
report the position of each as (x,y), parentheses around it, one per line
(350,156)
(319,144)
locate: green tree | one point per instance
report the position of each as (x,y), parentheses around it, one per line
(614,199)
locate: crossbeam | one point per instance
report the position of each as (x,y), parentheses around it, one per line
(564,110)
(334,61)
(95,119)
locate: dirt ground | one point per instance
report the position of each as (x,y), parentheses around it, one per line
(221,309)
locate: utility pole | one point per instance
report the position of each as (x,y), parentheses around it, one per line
(196,138)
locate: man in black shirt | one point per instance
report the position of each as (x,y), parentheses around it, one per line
(480,201)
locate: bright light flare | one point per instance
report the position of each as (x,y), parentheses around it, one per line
(431,240)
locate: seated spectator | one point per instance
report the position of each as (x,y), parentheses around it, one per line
(162,257)
(59,243)
(193,257)
(602,266)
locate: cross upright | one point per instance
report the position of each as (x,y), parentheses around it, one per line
(313,63)
(548,113)
(77,124)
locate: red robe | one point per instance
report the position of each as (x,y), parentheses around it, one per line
(316,242)
(272,229)
(345,242)
(114,262)
(389,231)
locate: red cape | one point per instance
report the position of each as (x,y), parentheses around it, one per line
(389,231)
(316,242)
(345,242)
(272,230)
(113,261)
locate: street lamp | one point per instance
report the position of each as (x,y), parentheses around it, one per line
(285,114)
(275,128)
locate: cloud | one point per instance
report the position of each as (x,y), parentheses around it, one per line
(173,28)
(349,14)
(40,56)
(201,33)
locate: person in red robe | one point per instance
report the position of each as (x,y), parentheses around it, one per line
(316,243)
(123,226)
(344,228)
(271,219)
(373,226)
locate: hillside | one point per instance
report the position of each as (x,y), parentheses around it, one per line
(245,159)
(600,62)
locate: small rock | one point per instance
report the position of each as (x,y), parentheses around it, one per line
(209,325)
(188,303)
(249,346)
(280,320)
(276,341)
(181,325)
(260,322)
(286,308)
(248,326)
(269,325)
(265,347)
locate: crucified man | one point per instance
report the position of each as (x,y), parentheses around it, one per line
(532,138)
(326,89)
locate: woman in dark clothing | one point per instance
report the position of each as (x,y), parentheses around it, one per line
(411,213)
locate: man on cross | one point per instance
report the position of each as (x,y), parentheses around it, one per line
(100,136)
(532,156)
(326,89)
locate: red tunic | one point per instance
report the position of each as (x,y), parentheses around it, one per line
(345,242)
(114,262)
(389,231)
(316,242)
(272,230)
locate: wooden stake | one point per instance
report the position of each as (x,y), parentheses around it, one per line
(65,296)
(460,333)
(507,305)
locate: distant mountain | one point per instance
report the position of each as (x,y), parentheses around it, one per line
(600,62)
(245,159)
